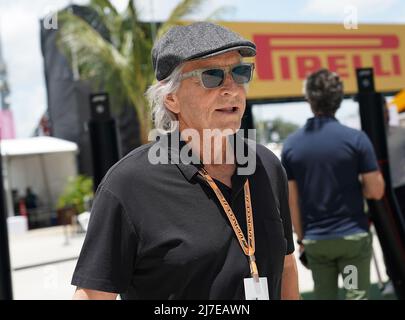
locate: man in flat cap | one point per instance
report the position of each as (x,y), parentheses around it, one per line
(201,222)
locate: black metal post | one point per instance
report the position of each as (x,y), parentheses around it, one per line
(103,136)
(385,213)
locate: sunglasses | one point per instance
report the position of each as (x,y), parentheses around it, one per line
(212,78)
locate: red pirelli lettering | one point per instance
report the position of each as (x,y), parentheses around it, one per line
(268,44)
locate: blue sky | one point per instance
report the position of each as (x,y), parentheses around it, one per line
(19,32)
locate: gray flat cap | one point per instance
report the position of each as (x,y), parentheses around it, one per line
(195,41)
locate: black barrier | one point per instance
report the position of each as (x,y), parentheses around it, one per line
(103,136)
(385,213)
(6,292)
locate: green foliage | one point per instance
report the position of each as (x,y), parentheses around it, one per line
(276,130)
(75,193)
(283,128)
(121,65)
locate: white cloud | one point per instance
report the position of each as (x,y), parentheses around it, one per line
(334,8)
(210,6)
(20,33)
(159,10)
(156,10)
(32,105)
(20,36)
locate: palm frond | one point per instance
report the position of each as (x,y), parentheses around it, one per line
(104,6)
(219,13)
(79,37)
(97,59)
(110,18)
(183,9)
(132,11)
(119,60)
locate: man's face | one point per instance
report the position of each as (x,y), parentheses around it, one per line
(218,108)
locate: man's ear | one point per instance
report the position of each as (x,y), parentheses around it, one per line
(172,103)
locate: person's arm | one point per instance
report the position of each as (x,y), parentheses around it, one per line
(293,201)
(289,283)
(87,294)
(373,185)
(371,178)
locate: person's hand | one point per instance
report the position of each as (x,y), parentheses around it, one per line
(301,248)
(302,255)
(301,245)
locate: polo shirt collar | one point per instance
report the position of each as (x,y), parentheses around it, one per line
(318,121)
(322,118)
(189,170)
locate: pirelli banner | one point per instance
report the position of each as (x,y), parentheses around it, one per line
(287,53)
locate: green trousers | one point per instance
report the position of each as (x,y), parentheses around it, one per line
(349,256)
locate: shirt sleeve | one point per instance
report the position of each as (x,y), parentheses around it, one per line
(108,253)
(285,212)
(367,157)
(286,165)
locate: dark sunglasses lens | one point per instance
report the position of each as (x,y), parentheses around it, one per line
(212,78)
(242,74)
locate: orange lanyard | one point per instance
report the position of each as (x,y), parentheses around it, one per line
(249,246)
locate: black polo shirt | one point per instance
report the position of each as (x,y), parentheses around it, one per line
(157,231)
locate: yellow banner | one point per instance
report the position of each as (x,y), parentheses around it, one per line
(287,53)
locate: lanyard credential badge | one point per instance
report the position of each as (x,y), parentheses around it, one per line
(255,287)
(256,290)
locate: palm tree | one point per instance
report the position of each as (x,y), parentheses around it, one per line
(120,64)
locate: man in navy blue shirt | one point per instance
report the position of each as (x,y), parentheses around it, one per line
(330,168)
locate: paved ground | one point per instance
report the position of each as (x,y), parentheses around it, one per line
(42,248)
(38,275)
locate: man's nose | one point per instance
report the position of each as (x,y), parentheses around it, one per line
(229,87)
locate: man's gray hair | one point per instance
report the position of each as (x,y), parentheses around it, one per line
(156,94)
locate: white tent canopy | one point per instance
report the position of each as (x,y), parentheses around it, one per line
(36,145)
(42,163)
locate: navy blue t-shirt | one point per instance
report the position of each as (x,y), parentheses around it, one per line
(325,158)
